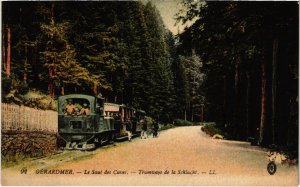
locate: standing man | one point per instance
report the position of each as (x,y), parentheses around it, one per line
(118,122)
(155,129)
(128,128)
(69,110)
(85,110)
(144,129)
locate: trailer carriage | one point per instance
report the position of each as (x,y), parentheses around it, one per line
(122,114)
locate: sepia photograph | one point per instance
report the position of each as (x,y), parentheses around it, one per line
(149,93)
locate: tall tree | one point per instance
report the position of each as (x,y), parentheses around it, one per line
(59,55)
(249,62)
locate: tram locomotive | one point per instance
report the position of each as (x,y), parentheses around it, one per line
(86,122)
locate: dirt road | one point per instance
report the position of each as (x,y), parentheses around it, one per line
(180,156)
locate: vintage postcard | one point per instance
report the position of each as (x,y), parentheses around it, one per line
(149,93)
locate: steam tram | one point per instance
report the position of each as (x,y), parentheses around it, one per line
(85,122)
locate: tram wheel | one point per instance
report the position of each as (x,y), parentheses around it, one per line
(271,168)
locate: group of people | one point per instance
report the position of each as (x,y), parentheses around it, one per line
(72,109)
(144,132)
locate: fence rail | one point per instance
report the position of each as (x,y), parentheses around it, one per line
(14,117)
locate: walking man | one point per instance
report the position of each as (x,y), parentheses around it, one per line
(128,129)
(144,130)
(155,129)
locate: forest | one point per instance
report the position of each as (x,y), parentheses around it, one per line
(236,65)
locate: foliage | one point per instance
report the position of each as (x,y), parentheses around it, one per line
(190,80)
(235,40)
(149,121)
(121,49)
(30,98)
(22,88)
(181,122)
(58,55)
(6,85)
(165,126)
(14,85)
(36,99)
(211,129)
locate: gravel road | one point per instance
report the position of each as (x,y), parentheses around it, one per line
(179,156)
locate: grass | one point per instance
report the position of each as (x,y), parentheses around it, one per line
(165,127)
(51,160)
(32,98)
(211,129)
(182,122)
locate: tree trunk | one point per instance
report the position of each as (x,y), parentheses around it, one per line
(95,91)
(192,118)
(25,64)
(263,103)
(189,110)
(4,52)
(247,103)
(236,120)
(224,101)
(51,89)
(274,87)
(8,51)
(236,76)
(63,89)
(34,65)
(51,84)
(52,13)
(202,113)
(34,60)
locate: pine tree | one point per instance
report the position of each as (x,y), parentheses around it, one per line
(58,56)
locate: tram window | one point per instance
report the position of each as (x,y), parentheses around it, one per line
(99,106)
(76,106)
(76,124)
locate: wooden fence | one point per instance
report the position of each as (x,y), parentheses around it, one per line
(14,117)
